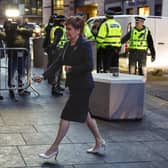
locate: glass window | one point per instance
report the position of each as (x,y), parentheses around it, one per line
(145,10)
(58,6)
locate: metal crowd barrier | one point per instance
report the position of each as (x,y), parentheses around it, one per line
(15,69)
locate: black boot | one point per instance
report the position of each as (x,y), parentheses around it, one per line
(1,97)
(12,94)
(56,92)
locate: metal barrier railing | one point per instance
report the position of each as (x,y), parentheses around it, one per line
(15,69)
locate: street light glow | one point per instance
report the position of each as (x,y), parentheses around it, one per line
(12,12)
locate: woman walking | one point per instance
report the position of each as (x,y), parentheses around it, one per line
(78,64)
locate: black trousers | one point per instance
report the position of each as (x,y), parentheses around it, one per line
(111,58)
(16,62)
(137,61)
(55,77)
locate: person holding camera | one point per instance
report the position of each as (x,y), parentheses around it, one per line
(16,38)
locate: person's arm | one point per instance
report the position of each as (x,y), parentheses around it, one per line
(25,32)
(52,68)
(151,46)
(126,37)
(101,33)
(57,36)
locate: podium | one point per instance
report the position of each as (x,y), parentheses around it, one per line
(119,97)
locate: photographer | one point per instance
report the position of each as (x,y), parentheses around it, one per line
(16,38)
(2,37)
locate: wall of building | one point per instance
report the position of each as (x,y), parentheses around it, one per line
(100,7)
(154,6)
(91,7)
(46,11)
(165,8)
(69,7)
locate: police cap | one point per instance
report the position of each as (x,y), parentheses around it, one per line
(109,13)
(139,19)
(60,18)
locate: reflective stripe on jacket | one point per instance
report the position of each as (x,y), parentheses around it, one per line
(138,39)
(63,39)
(110,33)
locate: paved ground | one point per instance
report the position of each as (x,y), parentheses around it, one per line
(28,127)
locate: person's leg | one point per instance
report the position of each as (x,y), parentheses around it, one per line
(99,59)
(132,62)
(115,60)
(91,123)
(142,65)
(63,128)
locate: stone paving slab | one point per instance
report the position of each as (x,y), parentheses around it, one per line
(46,128)
(162,124)
(130,152)
(68,154)
(111,135)
(160,148)
(162,132)
(11,139)
(160,164)
(155,117)
(118,165)
(17,129)
(131,136)
(1,121)
(10,157)
(28,118)
(45,138)
(51,165)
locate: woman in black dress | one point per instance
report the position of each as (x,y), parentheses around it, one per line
(78,65)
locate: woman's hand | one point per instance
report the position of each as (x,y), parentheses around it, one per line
(67,68)
(38,78)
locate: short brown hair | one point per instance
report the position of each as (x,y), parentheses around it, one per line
(76,21)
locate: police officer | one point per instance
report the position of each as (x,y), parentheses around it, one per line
(57,41)
(109,38)
(47,30)
(86,31)
(139,40)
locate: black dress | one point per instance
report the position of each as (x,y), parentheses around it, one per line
(79,81)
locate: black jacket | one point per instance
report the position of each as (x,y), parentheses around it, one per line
(80,58)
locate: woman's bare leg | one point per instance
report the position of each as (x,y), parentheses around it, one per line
(91,123)
(63,128)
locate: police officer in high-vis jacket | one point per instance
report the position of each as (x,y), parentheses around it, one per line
(86,30)
(139,40)
(109,38)
(57,41)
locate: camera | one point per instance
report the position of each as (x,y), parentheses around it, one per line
(10,25)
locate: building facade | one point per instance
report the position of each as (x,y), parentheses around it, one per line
(97,7)
(72,7)
(31,9)
(141,7)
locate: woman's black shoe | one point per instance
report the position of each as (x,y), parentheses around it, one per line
(56,93)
